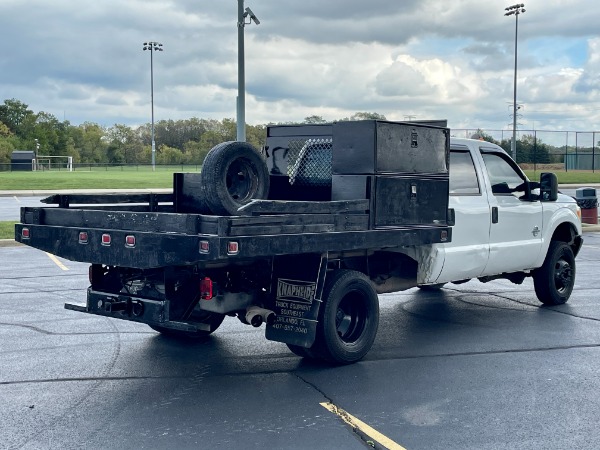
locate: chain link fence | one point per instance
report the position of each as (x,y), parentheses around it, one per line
(556,150)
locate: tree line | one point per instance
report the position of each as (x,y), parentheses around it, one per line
(177,141)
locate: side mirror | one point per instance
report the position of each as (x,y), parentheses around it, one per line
(548,187)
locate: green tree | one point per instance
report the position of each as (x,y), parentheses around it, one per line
(6,149)
(367,116)
(13,113)
(482,135)
(125,146)
(169,155)
(314,119)
(89,139)
(195,152)
(4,130)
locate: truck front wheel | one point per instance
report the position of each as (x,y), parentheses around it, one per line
(348,318)
(554,281)
(213,320)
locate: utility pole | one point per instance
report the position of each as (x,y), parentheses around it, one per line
(241,99)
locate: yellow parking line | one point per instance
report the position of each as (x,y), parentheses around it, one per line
(57,262)
(363,427)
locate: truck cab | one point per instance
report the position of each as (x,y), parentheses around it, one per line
(502,225)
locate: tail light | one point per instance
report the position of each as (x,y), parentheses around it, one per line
(130,241)
(233,248)
(206,288)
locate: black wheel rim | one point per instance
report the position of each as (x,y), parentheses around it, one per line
(563,276)
(241,180)
(351,317)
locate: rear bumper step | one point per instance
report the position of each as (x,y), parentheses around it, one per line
(133,309)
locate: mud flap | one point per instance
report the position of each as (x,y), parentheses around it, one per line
(296,297)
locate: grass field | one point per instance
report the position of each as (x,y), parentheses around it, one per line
(96,179)
(573,177)
(7,230)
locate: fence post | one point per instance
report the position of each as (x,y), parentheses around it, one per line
(593,151)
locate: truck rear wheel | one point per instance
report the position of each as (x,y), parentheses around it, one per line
(233,173)
(348,318)
(213,320)
(554,281)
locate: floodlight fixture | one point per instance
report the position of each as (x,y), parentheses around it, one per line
(248,12)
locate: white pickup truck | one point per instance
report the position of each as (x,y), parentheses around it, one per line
(304,235)
(503,227)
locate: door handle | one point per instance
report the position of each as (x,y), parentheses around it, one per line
(494,214)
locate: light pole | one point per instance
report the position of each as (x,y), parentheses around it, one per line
(152,47)
(515,10)
(241,99)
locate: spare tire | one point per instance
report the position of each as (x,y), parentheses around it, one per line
(233,173)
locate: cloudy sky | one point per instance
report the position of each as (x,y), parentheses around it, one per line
(426,59)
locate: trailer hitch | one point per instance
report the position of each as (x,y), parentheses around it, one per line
(122,304)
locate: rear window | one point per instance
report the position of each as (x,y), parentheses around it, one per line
(463,177)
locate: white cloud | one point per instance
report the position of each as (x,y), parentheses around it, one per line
(429,58)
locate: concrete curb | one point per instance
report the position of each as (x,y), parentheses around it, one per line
(9,243)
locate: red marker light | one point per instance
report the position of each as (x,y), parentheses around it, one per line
(106,239)
(83,237)
(204,247)
(233,248)
(130,241)
(25,233)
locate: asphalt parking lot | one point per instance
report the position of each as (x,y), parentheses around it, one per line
(475,366)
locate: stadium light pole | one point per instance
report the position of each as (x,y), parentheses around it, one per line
(515,10)
(241,99)
(152,47)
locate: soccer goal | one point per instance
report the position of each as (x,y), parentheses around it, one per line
(52,163)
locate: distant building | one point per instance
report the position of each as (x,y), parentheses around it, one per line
(22,160)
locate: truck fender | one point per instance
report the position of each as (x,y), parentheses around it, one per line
(564,225)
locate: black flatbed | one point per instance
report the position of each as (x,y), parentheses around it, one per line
(163,237)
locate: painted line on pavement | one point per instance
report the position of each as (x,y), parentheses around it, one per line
(57,262)
(17,199)
(363,427)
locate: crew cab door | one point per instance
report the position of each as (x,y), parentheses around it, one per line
(516,225)
(466,256)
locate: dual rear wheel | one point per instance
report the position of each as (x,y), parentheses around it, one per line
(348,319)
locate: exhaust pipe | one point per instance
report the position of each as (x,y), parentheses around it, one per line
(255,316)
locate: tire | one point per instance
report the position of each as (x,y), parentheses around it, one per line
(233,173)
(348,318)
(213,320)
(554,281)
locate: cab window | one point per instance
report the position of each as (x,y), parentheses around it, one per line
(463,177)
(504,178)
